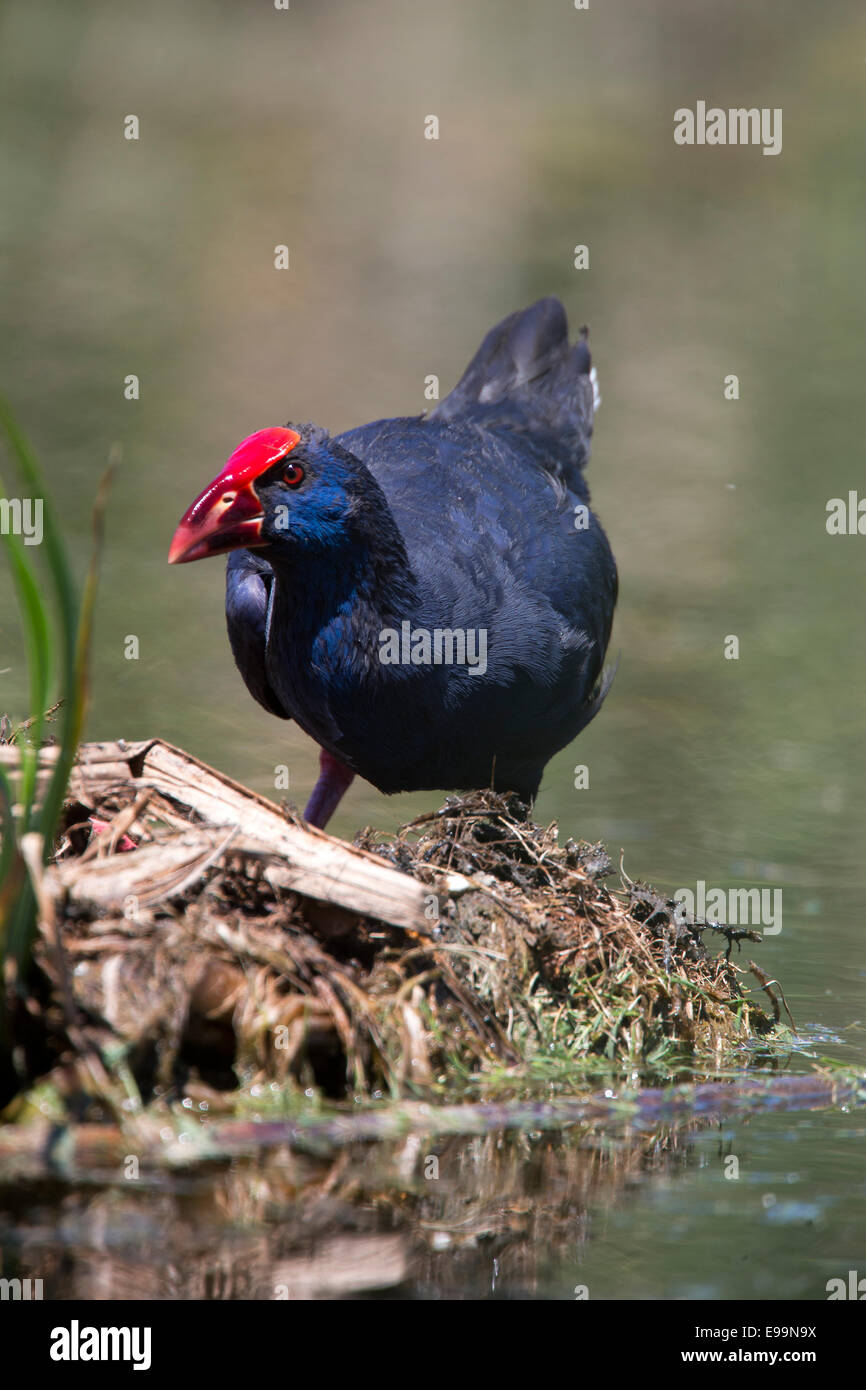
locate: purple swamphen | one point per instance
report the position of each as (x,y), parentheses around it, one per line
(429,598)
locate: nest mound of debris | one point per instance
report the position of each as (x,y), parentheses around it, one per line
(194,934)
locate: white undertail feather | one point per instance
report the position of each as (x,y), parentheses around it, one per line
(596,394)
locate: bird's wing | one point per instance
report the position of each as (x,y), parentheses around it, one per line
(249,588)
(489,493)
(495,539)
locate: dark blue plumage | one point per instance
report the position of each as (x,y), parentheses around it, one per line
(474,518)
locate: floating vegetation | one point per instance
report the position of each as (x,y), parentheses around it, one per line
(197,935)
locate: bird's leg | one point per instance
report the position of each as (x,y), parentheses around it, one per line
(334,778)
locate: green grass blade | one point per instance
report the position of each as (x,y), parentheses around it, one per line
(8,839)
(73,637)
(66,598)
(37,636)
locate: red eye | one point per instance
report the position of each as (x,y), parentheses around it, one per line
(293,474)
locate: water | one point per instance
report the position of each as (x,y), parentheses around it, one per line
(156,258)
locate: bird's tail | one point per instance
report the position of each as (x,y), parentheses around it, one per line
(526,375)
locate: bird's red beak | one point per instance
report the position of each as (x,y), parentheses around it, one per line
(228,514)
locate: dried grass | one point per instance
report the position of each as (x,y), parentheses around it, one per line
(209,955)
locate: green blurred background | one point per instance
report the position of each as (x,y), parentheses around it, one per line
(259,127)
(306,127)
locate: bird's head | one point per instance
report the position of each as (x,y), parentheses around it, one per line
(281,488)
